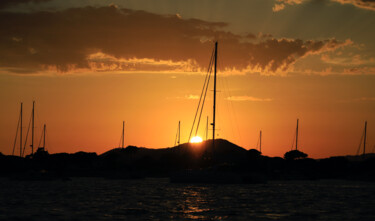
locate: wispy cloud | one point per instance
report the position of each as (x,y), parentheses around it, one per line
(280,4)
(363,4)
(186,97)
(192,97)
(104,62)
(248,98)
(360,70)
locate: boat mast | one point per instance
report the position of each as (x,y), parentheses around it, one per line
(260,141)
(32,131)
(179,132)
(297,135)
(364,142)
(21,133)
(123,133)
(214,108)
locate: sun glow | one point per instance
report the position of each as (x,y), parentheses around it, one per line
(196,139)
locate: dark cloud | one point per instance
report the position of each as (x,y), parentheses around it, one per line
(8,3)
(68,39)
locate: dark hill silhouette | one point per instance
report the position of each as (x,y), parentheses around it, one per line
(360,157)
(225,158)
(222,152)
(221,147)
(183,156)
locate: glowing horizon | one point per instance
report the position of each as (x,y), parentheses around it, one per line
(196,139)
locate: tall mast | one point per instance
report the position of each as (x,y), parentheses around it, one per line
(123,133)
(214,108)
(32,130)
(297,135)
(21,133)
(260,141)
(364,142)
(179,132)
(44,136)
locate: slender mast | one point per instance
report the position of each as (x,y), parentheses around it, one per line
(32,130)
(297,135)
(214,108)
(179,132)
(123,133)
(21,133)
(260,142)
(364,142)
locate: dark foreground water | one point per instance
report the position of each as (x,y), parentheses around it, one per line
(157,199)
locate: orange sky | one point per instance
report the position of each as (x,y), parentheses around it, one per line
(90,65)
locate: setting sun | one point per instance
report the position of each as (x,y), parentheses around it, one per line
(196,139)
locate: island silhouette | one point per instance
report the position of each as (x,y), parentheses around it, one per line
(198,163)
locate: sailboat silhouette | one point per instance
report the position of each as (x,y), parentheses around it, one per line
(212,174)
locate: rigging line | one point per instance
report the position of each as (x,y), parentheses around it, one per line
(119,142)
(15,139)
(204,85)
(27,135)
(230,108)
(204,99)
(228,103)
(360,142)
(41,136)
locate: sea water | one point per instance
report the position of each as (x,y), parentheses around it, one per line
(158,199)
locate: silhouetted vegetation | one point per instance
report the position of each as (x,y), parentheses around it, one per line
(294,155)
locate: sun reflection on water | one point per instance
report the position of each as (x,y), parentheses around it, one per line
(195,204)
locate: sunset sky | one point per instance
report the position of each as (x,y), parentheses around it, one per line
(91,64)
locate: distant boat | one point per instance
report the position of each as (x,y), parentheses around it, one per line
(260,142)
(42,149)
(123,135)
(198,113)
(296,136)
(255,153)
(213,174)
(178,134)
(20,127)
(363,139)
